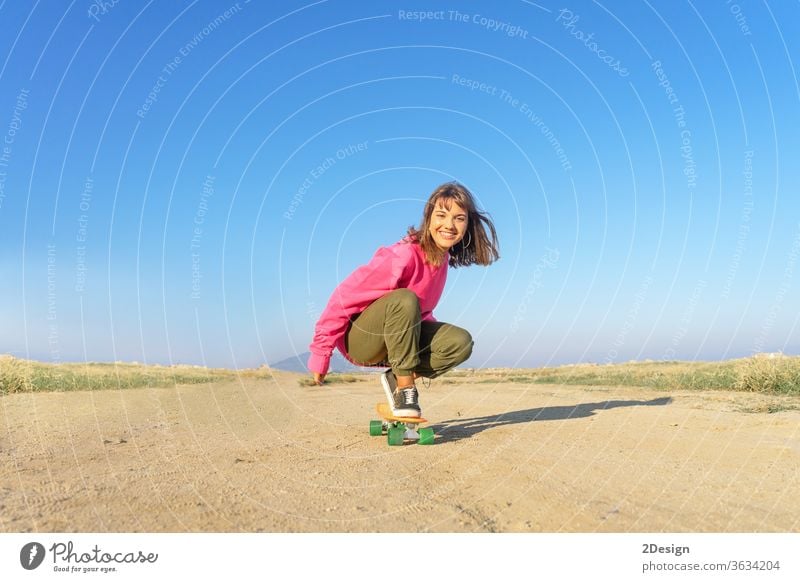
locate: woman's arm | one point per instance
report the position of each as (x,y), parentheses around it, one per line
(367,283)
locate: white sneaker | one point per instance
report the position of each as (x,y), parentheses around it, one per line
(389,383)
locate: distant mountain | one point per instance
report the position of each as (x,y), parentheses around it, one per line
(338,364)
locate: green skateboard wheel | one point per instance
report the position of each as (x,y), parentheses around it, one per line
(426,436)
(395,435)
(375,427)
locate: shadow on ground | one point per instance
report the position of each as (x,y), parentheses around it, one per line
(461,428)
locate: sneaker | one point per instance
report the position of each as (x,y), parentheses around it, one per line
(406,402)
(389,383)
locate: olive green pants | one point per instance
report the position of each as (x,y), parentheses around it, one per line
(390,333)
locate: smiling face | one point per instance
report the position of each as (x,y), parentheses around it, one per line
(448,225)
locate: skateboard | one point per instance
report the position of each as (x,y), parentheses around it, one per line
(399,429)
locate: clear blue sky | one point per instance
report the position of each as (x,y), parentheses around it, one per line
(186,182)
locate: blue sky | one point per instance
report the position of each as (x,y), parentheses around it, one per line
(186,182)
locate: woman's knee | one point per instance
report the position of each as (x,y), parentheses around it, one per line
(403,299)
(460,343)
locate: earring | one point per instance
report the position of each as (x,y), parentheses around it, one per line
(464,248)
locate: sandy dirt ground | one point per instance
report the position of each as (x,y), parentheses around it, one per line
(273,456)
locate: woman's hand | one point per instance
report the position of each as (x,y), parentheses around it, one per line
(319,379)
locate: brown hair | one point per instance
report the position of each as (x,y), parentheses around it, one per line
(481,248)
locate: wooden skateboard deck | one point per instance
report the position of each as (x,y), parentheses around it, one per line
(386,414)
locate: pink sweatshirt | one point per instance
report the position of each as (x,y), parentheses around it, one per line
(399,266)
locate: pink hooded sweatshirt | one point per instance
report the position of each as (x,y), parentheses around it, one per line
(399,266)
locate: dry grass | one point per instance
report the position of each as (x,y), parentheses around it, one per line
(767,374)
(18,375)
(778,375)
(763,373)
(330,379)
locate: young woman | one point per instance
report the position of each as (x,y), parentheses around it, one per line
(382,313)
